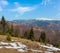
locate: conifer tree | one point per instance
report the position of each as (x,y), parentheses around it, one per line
(3,22)
(16,34)
(26,35)
(31,34)
(42,37)
(11,30)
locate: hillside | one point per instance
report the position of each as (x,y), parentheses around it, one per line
(29,26)
(20,45)
(51,27)
(38,36)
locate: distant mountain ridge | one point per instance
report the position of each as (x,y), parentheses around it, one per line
(41,23)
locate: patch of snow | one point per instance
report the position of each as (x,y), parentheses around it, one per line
(1,47)
(13,44)
(21,45)
(48,52)
(3,43)
(36,50)
(21,50)
(49,47)
(8,47)
(52,48)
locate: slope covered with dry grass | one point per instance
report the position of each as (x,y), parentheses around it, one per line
(32,46)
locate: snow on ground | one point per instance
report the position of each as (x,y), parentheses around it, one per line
(1,47)
(21,45)
(3,43)
(23,48)
(14,45)
(36,50)
(49,48)
(48,52)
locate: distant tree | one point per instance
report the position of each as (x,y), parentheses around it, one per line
(31,34)
(11,29)
(42,37)
(39,40)
(8,37)
(3,22)
(26,35)
(8,29)
(16,33)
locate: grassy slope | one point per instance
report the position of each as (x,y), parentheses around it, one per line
(30,44)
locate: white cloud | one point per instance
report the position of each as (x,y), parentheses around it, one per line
(22,10)
(0,8)
(44,19)
(45,2)
(4,2)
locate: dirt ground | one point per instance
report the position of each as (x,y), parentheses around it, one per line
(4,50)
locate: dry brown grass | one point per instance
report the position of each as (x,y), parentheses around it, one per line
(4,50)
(2,37)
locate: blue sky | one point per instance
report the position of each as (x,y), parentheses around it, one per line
(30,9)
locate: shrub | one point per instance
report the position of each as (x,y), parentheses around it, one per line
(8,37)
